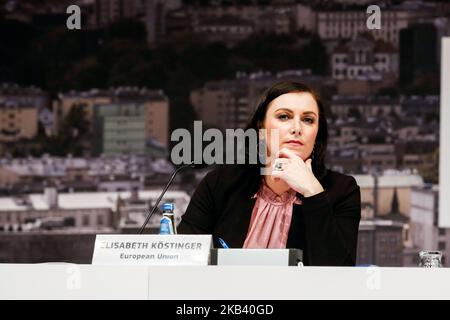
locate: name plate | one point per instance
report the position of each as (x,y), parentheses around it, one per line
(152,249)
(257,257)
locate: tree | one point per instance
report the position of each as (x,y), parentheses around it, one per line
(85,74)
(74,134)
(314,56)
(129,29)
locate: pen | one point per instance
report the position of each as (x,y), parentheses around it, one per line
(224,245)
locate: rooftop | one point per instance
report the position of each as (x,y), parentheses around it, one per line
(15,89)
(365,39)
(83,200)
(119,93)
(226,20)
(364,100)
(390,179)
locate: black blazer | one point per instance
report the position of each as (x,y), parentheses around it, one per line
(325,226)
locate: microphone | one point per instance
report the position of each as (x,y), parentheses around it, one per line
(150,214)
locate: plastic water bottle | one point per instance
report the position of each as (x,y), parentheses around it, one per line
(167,225)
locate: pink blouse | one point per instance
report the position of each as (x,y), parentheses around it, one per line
(271,219)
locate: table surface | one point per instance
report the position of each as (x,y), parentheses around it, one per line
(72,281)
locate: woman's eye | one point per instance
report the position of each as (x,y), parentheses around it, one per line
(283,116)
(309,120)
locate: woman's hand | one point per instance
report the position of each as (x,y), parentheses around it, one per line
(296,173)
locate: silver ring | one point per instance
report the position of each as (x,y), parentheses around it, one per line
(278,166)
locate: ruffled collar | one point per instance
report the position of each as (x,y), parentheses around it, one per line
(288,197)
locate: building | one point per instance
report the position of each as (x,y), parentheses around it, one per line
(51,211)
(54,227)
(364,58)
(121,129)
(226,29)
(415,154)
(382,240)
(277,21)
(377,152)
(110,11)
(353,2)
(365,106)
(230,103)
(377,133)
(84,211)
(135,206)
(380,243)
(421,107)
(64,103)
(222,105)
(132,111)
(178,22)
(346,24)
(30,175)
(112,173)
(20,111)
(152,13)
(426,234)
(232,23)
(27,11)
(305,18)
(129,128)
(361,146)
(18,121)
(33,96)
(386,184)
(8,178)
(273,18)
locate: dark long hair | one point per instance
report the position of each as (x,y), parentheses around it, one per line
(257,120)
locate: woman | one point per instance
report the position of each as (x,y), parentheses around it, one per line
(300,204)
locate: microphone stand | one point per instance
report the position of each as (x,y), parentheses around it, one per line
(162,194)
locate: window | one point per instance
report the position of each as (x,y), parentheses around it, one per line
(441,245)
(100,220)
(441,231)
(85,220)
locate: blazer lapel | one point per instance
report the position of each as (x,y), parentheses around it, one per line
(238,210)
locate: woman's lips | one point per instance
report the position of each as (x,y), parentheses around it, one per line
(294,143)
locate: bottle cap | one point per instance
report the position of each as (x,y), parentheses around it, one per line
(168,207)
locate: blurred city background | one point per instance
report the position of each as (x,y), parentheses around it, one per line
(86,115)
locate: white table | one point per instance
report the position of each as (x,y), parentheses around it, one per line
(70,281)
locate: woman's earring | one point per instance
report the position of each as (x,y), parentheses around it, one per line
(312,154)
